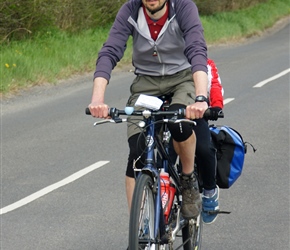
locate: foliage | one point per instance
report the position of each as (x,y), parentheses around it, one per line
(209,7)
(24,18)
(53,54)
(228,26)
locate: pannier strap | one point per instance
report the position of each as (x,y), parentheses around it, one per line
(254,149)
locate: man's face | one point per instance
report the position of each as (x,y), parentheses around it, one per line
(153,5)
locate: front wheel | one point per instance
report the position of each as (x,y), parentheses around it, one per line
(142,215)
(191,234)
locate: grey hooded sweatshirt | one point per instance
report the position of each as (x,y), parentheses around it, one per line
(180,44)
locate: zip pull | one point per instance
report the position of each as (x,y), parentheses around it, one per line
(155,51)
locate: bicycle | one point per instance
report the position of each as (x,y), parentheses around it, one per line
(150,227)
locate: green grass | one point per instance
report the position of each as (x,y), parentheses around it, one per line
(49,57)
(223,27)
(55,55)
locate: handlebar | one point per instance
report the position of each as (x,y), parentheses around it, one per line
(114,113)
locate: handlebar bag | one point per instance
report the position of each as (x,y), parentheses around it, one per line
(231,150)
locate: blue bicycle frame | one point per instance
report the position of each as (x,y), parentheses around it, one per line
(150,166)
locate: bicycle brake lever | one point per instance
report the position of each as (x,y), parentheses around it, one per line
(103,121)
(110,120)
(185,120)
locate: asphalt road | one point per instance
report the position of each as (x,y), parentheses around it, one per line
(50,200)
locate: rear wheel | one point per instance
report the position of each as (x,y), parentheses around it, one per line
(191,234)
(141,226)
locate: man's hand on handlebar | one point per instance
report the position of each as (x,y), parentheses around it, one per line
(99,110)
(196,110)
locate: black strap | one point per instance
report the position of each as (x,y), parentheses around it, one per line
(216,212)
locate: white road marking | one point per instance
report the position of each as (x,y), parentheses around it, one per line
(227,100)
(261,84)
(52,187)
(89,169)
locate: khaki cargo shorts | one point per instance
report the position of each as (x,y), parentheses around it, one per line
(180,85)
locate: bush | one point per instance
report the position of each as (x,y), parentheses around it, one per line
(209,7)
(22,18)
(19,18)
(25,18)
(76,15)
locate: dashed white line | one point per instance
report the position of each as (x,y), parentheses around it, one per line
(227,100)
(52,187)
(99,164)
(63,182)
(261,84)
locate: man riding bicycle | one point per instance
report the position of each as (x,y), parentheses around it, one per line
(170,57)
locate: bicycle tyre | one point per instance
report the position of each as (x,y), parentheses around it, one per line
(142,215)
(192,234)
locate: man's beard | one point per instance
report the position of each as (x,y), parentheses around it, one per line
(158,9)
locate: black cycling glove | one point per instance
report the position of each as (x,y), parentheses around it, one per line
(214,112)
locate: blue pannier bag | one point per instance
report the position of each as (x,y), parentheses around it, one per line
(231,150)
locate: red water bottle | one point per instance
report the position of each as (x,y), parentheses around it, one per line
(167,194)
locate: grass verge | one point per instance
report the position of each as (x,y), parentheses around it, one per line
(55,55)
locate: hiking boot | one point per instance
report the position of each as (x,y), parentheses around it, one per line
(191,201)
(210,207)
